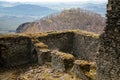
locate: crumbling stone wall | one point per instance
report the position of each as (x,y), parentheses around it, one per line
(62,61)
(85,47)
(81,44)
(59,41)
(15,51)
(19,49)
(108,63)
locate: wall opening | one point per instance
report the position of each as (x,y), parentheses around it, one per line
(34,56)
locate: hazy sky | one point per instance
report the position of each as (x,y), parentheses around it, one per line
(55,0)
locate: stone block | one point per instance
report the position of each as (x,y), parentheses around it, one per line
(15,51)
(44,55)
(62,61)
(80,68)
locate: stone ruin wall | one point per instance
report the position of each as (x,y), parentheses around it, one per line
(85,47)
(59,41)
(108,63)
(82,46)
(15,51)
(21,50)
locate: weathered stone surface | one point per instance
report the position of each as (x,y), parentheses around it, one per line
(85,47)
(108,62)
(44,55)
(82,44)
(80,68)
(15,51)
(18,49)
(2,61)
(62,61)
(59,41)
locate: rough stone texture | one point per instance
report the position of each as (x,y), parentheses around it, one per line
(18,49)
(15,51)
(80,68)
(62,61)
(81,44)
(108,63)
(85,47)
(2,61)
(44,55)
(59,41)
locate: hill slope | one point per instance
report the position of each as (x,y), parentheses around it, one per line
(11,16)
(9,23)
(66,20)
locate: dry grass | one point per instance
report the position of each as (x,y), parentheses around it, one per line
(63,55)
(86,33)
(92,73)
(41,45)
(11,75)
(36,35)
(12,35)
(81,62)
(44,72)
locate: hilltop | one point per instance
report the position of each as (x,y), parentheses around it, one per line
(14,14)
(66,20)
(68,55)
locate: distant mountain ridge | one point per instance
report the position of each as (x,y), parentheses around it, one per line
(26,10)
(14,14)
(9,23)
(66,20)
(99,8)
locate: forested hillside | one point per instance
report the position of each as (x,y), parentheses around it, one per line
(66,20)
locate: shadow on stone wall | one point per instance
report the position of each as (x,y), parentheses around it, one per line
(26,49)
